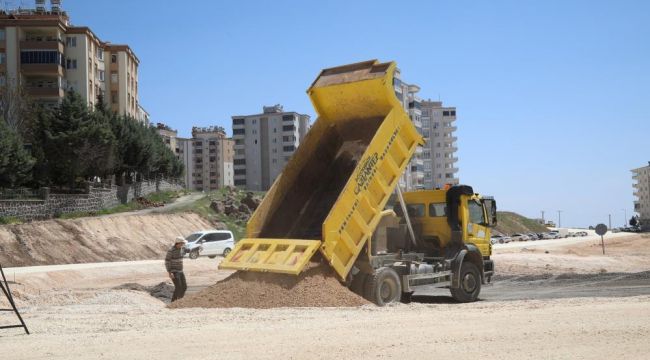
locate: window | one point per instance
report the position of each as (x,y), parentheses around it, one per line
(476,215)
(239,141)
(288,128)
(114,97)
(239,121)
(239,162)
(240,182)
(3,58)
(100,54)
(289,148)
(71,41)
(438,209)
(114,77)
(71,64)
(414,210)
(2,34)
(238,131)
(212,143)
(100,74)
(113,58)
(41,57)
(240,171)
(287,117)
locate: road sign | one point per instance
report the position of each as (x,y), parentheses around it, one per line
(601,229)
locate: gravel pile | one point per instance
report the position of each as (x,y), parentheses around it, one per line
(315,287)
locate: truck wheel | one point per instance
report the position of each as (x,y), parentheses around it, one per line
(194,254)
(470,284)
(383,287)
(358,283)
(212,256)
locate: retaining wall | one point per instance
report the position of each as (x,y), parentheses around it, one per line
(96,199)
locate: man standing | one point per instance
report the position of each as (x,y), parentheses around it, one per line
(174,265)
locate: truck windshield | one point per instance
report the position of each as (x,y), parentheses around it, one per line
(476,215)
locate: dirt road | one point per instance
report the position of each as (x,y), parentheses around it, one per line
(132,325)
(552,301)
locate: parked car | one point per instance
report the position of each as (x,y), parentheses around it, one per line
(496,239)
(532,236)
(209,243)
(519,237)
(552,235)
(582,233)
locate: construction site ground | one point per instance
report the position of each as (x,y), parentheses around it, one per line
(555,299)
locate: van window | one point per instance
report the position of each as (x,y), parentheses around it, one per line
(193,237)
(438,209)
(415,210)
(222,236)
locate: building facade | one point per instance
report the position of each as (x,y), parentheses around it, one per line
(43,53)
(264,144)
(413,177)
(439,153)
(642,194)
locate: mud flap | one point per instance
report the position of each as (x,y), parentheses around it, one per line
(285,256)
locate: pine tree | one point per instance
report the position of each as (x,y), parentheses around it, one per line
(15,162)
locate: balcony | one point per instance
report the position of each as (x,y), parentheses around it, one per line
(45,91)
(42,45)
(449,129)
(42,69)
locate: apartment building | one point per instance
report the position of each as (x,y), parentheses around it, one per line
(207,156)
(41,51)
(264,144)
(642,194)
(413,177)
(439,152)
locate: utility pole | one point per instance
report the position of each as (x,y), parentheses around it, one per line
(624,217)
(559,218)
(610,221)
(543,221)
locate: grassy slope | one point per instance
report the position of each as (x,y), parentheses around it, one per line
(202,208)
(510,223)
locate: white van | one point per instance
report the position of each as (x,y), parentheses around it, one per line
(209,243)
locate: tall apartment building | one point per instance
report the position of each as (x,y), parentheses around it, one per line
(439,153)
(207,156)
(642,194)
(413,177)
(264,144)
(41,51)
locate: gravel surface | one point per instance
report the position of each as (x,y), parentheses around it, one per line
(315,287)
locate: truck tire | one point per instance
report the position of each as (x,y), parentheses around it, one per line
(470,283)
(357,285)
(194,254)
(383,287)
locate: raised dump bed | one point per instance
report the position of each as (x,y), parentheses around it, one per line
(331,193)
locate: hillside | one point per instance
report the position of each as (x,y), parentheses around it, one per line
(94,239)
(510,223)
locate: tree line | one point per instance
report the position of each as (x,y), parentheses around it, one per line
(72,143)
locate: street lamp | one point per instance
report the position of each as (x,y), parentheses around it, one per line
(559,219)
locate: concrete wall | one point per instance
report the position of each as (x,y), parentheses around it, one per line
(96,199)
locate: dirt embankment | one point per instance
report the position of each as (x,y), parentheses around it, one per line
(98,239)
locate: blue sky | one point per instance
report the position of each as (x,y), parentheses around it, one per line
(553,97)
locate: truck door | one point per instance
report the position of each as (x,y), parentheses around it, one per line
(477,232)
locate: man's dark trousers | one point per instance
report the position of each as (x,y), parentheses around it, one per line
(180,285)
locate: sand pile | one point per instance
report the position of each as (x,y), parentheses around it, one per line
(315,287)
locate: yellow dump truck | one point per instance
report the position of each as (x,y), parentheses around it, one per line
(338,195)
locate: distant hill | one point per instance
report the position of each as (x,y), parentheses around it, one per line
(510,223)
